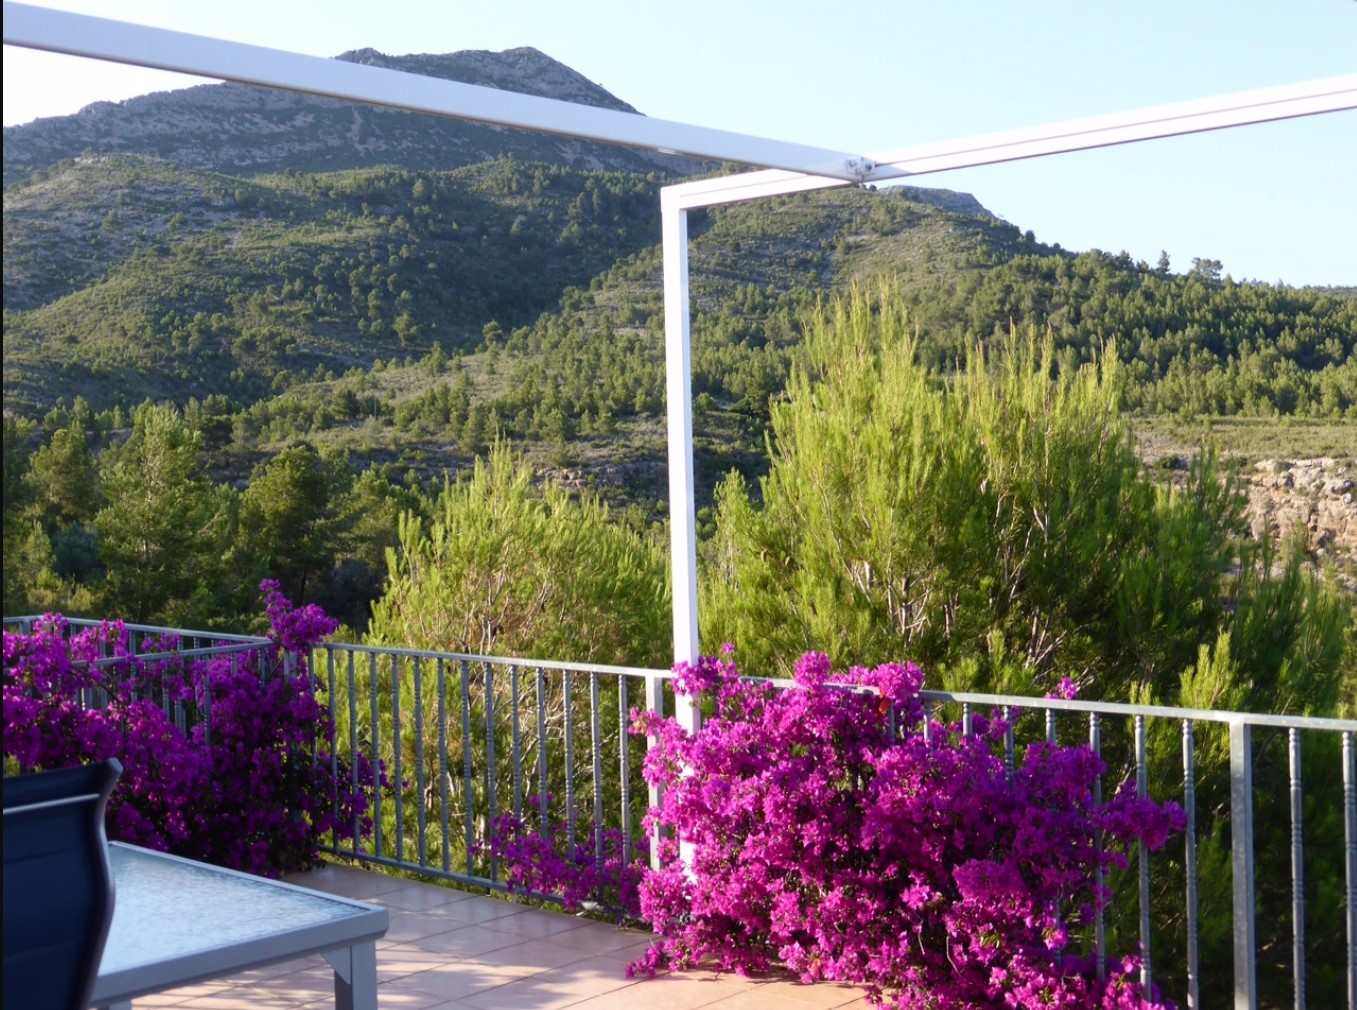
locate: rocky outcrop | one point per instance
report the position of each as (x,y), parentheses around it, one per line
(1315,497)
(947,199)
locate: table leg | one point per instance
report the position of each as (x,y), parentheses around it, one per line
(355,976)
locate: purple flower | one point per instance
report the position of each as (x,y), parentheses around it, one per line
(257,793)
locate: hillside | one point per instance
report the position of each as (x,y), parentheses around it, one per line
(126,278)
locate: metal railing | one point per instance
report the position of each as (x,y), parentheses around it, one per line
(1222,781)
(468,740)
(473,738)
(164,653)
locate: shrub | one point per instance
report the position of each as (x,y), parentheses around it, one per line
(596,873)
(831,834)
(244,780)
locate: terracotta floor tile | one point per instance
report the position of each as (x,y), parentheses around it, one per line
(531,956)
(451,981)
(672,992)
(772,998)
(597,938)
(585,978)
(401,961)
(237,999)
(420,897)
(346,881)
(526,992)
(460,944)
(535,923)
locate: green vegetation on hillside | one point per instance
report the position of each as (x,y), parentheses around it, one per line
(309,355)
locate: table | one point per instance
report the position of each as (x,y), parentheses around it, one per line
(177,921)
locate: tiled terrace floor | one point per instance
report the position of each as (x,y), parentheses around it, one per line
(448,950)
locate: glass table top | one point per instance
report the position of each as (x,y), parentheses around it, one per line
(166,907)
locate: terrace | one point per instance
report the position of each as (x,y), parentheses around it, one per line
(470,739)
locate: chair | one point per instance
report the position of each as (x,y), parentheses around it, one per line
(58,896)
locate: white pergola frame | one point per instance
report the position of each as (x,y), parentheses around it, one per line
(785,168)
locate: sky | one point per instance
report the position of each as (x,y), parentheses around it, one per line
(1272,202)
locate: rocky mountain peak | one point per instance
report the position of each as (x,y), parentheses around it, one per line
(238,129)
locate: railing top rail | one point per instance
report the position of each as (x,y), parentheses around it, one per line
(207,650)
(150,629)
(466,657)
(1157,711)
(994,700)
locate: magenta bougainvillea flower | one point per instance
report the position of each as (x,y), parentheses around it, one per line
(245,782)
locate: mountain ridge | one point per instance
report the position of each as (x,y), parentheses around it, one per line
(240,129)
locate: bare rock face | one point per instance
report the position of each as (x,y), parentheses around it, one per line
(1317,497)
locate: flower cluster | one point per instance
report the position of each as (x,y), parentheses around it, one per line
(224,759)
(593,873)
(828,832)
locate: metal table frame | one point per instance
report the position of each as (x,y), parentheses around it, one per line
(345,932)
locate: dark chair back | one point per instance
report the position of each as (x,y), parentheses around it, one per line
(58,895)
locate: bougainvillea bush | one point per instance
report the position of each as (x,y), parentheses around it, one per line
(246,781)
(593,872)
(830,834)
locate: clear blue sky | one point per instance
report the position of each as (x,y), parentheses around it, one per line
(1272,202)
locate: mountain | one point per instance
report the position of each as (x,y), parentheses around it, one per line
(239,129)
(209,257)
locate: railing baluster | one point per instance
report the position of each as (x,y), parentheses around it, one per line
(624,761)
(517,744)
(1350,838)
(1241,845)
(1050,726)
(207,714)
(569,725)
(422,822)
(468,795)
(596,741)
(491,784)
(396,748)
(354,750)
(334,747)
(543,782)
(1297,868)
(1095,744)
(1143,791)
(376,753)
(1190,863)
(654,703)
(1010,743)
(442,682)
(967,719)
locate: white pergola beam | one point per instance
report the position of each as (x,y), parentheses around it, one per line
(1244,108)
(121,42)
(744,186)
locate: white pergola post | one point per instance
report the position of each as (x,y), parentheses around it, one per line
(678,367)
